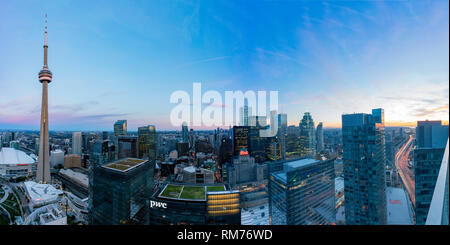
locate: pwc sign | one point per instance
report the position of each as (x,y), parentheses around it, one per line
(158,204)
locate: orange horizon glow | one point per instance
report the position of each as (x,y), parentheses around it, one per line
(386,124)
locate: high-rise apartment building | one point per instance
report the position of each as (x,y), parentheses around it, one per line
(319,137)
(431,139)
(364,168)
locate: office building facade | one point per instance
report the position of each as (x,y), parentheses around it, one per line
(119,191)
(303,193)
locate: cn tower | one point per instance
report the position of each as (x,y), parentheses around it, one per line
(45,77)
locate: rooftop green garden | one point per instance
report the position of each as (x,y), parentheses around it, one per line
(215,188)
(172,191)
(193,192)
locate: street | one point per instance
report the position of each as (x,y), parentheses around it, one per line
(406,174)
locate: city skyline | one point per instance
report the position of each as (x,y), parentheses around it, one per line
(117,62)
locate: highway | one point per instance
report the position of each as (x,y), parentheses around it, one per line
(406,174)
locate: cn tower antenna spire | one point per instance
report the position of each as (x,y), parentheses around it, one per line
(45,41)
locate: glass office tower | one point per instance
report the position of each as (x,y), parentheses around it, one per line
(120,128)
(119,191)
(364,168)
(147,142)
(303,193)
(307,136)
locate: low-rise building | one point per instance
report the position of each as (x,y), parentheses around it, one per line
(41,194)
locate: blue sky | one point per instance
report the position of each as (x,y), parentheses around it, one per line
(122,59)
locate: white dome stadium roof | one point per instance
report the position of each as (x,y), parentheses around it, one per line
(13,156)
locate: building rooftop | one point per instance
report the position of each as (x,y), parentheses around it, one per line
(189,192)
(258,215)
(124,165)
(13,156)
(300,163)
(77,176)
(289,166)
(41,193)
(398,206)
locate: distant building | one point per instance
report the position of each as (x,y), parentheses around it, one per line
(120,128)
(118,192)
(240,139)
(225,150)
(105,135)
(307,139)
(72,161)
(364,168)
(185,133)
(76,143)
(431,139)
(303,193)
(147,142)
(319,137)
(56,158)
(195,175)
(244,113)
(182,148)
(127,147)
(282,134)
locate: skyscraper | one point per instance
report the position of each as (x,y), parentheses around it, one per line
(185,132)
(118,192)
(244,113)
(45,77)
(319,137)
(364,168)
(76,143)
(282,133)
(431,139)
(240,139)
(302,193)
(147,142)
(307,136)
(120,128)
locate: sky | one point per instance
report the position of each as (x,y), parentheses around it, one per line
(120,59)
